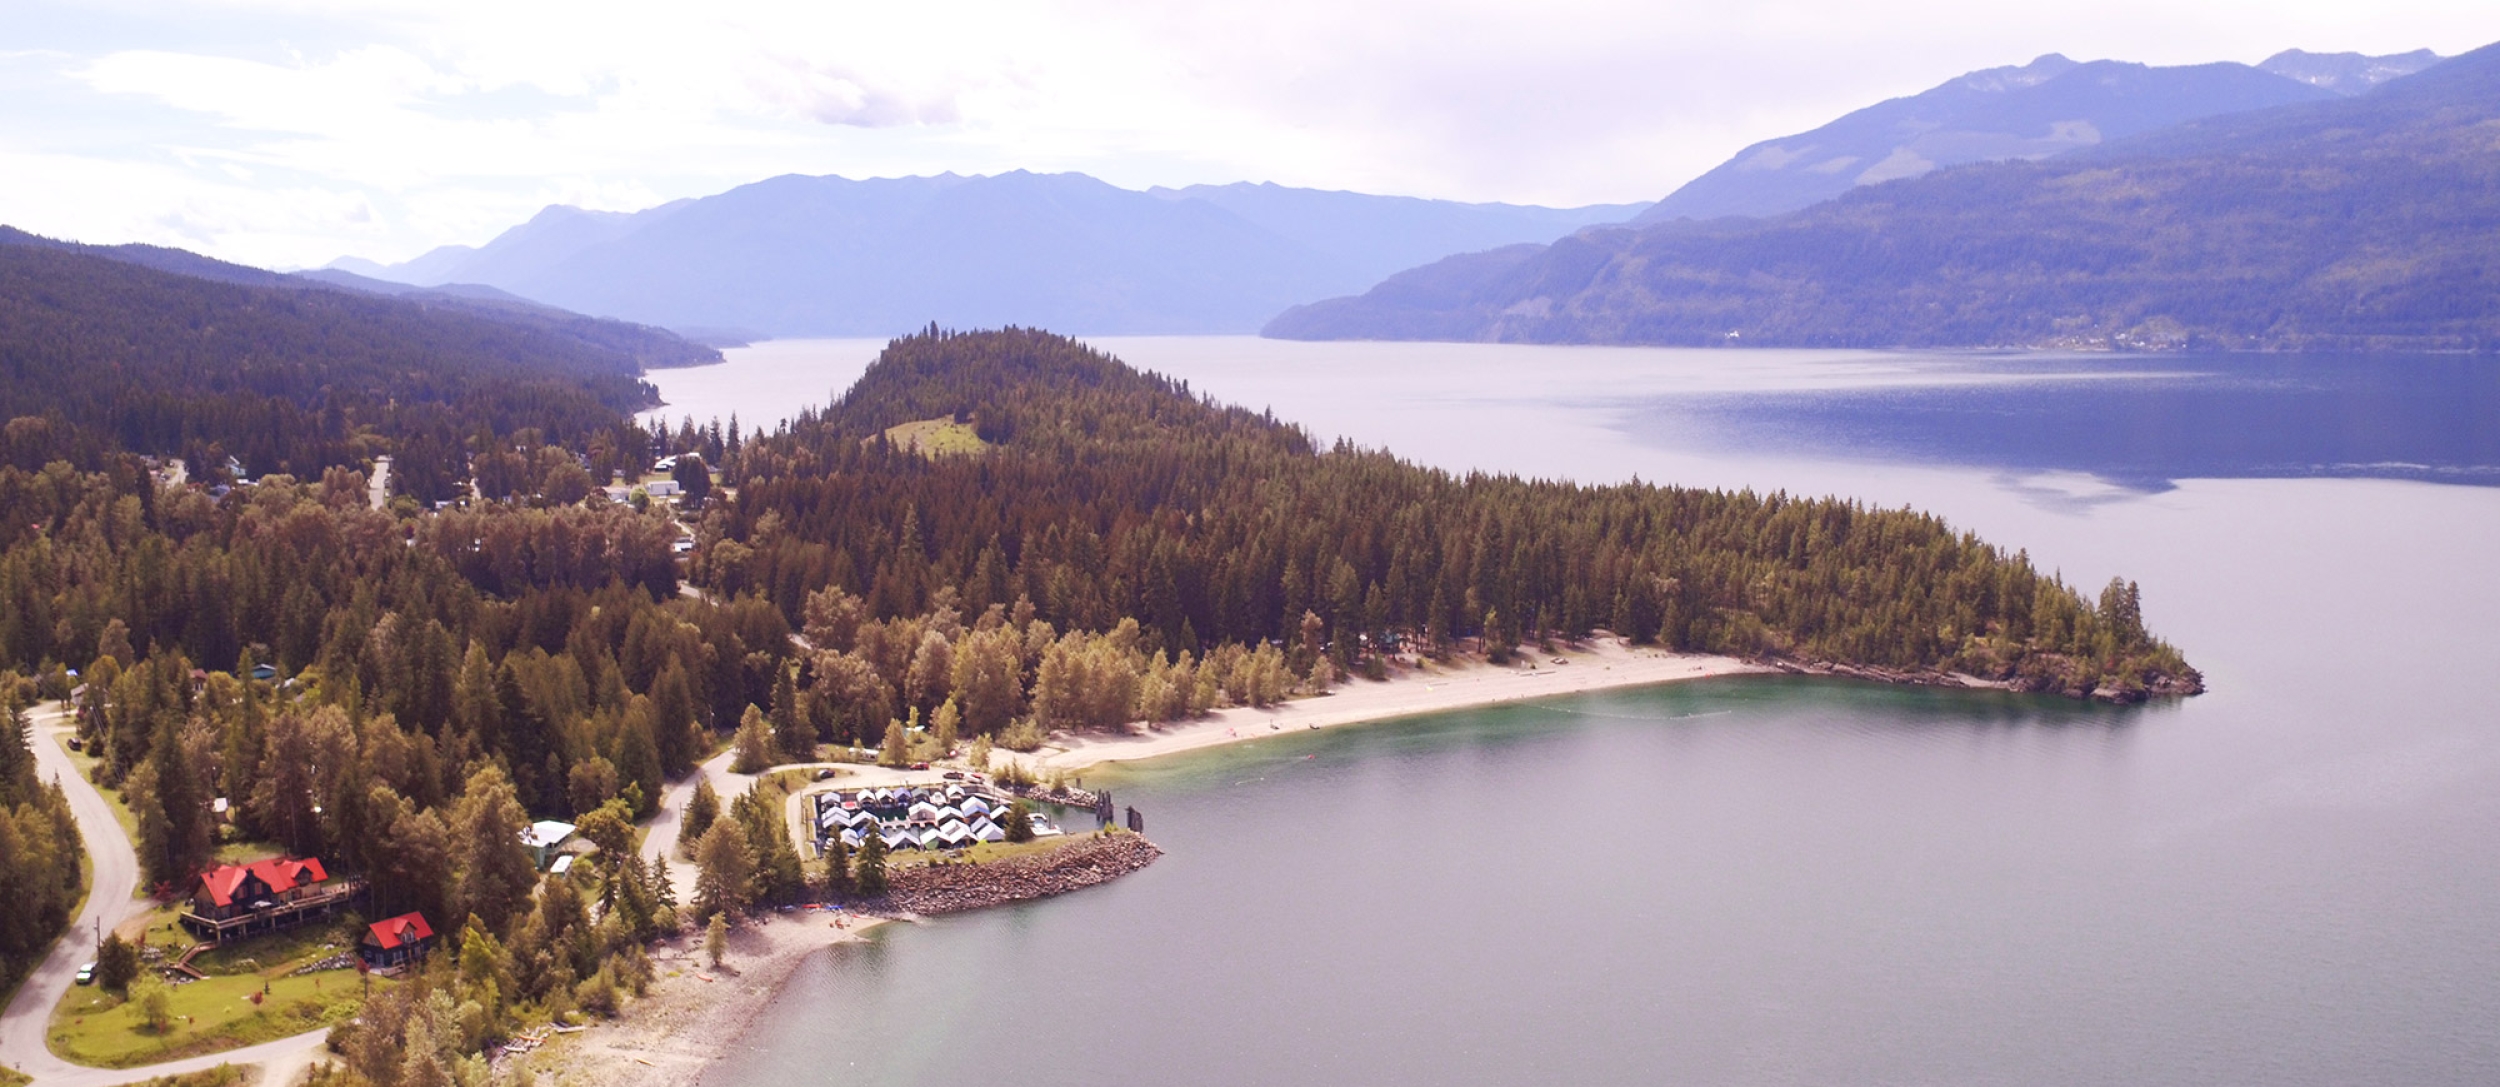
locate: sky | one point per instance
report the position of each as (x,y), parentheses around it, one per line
(286,133)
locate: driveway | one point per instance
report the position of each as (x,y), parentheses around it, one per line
(109,903)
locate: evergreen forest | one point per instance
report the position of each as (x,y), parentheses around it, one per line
(400,689)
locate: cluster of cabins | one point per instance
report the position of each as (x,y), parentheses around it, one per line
(916,818)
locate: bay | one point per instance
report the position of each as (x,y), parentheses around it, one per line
(2290,879)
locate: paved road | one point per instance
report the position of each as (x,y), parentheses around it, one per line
(109,903)
(660,846)
(378,489)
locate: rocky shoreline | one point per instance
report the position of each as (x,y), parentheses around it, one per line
(954,888)
(2192,683)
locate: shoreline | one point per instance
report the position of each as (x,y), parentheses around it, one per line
(693,1014)
(1600,664)
(676,1033)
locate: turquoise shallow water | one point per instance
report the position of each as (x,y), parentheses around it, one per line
(2290,880)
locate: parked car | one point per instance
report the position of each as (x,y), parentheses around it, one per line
(954,775)
(86,974)
(920,766)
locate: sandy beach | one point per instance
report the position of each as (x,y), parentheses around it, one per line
(693,1012)
(1598,664)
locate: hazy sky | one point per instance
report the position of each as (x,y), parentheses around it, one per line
(289,132)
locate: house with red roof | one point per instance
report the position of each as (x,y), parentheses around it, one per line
(396,941)
(235,900)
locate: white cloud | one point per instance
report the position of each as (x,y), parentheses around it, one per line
(288,131)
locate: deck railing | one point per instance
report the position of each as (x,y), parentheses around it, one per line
(286,913)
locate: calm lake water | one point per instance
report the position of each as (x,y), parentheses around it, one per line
(2294,879)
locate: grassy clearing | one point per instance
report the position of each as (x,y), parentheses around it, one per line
(777,785)
(95,1027)
(939,437)
(246,851)
(10,1077)
(98,1028)
(157,926)
(224,1075)
(289,949)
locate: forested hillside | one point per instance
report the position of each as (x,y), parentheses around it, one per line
(39,848)
(1094,547)
(1110,497)
(2043,108)
(99,356)
(2370,222)
(647,346)
(440,677)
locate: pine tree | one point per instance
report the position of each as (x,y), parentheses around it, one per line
(868,867)
(701,809)
(893,751)
(754,743)
(116,963)
(948,721)
(724,869)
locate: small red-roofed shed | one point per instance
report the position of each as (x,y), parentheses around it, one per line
(396,941)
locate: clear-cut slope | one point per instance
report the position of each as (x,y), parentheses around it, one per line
(2354,223)
(2346,73)
(2049,106)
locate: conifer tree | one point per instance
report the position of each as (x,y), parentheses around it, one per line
(868,867)
(701,809)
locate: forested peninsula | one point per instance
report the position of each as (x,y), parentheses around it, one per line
(992,536)
(1102,499)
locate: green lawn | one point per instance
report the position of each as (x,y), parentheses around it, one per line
(10,1077)
(938,437)
(245,851)
(157,926)
(98,1028)
(95,1027)
(224,1075)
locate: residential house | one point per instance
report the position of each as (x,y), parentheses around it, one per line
(396,942)
(235,900)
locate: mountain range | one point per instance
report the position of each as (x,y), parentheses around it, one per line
(647,347)
(2363,221)
(830,256)
(2049,106)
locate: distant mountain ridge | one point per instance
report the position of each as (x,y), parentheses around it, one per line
(798,255)
(2047,107)
(2362,222)
(651,348)
(2346,73)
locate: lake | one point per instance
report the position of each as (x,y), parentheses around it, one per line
(2293,879)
